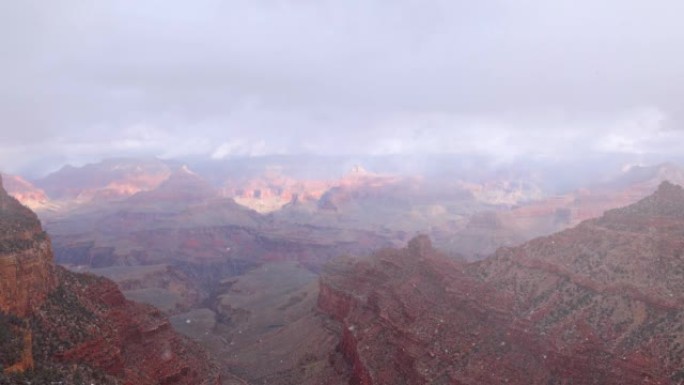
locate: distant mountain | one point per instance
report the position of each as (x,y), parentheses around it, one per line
(106,180)
(549,214)
(146,227)
(448,206)
(648,176)
(26,192)
(273,191)
(182,187)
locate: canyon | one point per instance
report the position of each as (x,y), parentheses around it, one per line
(465,214)
(63,326)
(287,280)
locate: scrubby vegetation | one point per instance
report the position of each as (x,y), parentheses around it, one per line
(17,244)
(11,341)
(46,372)
(58,375)
(15,217)
(73,320)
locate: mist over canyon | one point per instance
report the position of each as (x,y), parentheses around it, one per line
(331,192)
(286,271)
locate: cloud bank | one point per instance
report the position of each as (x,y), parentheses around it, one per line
(84,80)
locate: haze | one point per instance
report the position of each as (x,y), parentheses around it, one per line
(547,80)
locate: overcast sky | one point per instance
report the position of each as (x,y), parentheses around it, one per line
(82,80)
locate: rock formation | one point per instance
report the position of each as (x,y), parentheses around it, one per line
(74,327)
(26,266)
(600,303)
(108,180)
(88,321)
(25,192)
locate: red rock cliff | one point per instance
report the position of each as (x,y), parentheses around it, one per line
(88,321)
(26,264)
(598,304)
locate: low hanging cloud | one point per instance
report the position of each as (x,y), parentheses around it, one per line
(84,80)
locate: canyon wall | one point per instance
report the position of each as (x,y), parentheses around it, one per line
(26,265)
(600,303)
(76,326)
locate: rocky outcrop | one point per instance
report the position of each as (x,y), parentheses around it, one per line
(26,263)
(88,321)
(599,303)
(412,316)
(612,285)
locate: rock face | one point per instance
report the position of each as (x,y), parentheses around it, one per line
(601,303)
(26,264)
(608,290)
(88,321)
(73,327)
(412,316)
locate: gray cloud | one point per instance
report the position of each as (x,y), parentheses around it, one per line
(83,80)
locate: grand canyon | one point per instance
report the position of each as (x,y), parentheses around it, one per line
(288,192)
(161,274)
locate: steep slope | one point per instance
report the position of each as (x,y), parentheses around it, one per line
(610,287)
(72,327)
(26,266)
(636,248)
(412,316)
(601,303)
(87,321)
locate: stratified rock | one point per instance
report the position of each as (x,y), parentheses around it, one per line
(601,303)
(26,264)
